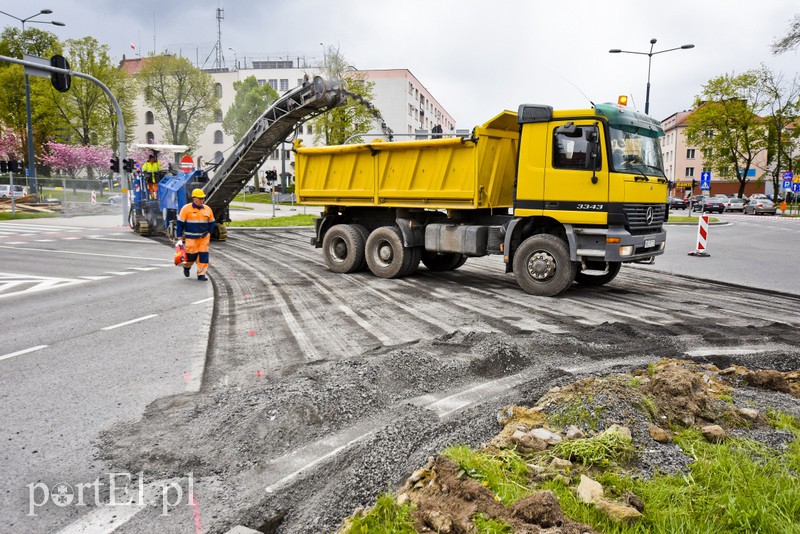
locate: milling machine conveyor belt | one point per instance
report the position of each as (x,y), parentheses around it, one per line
(269,131)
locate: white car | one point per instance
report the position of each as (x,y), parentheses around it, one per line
(19,191)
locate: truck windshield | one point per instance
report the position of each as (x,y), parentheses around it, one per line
(636,154)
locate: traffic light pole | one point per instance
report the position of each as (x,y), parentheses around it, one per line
(120,119)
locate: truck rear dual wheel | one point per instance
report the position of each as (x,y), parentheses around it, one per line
(596,280)
(386,255)
(542,266)
(343,248)
(437,262)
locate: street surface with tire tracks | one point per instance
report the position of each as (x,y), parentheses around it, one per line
(322,390)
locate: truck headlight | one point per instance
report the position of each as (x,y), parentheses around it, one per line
(626,250)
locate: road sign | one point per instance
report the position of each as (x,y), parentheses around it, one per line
(33,71)
(796,188)
(187,163)
(705,181)
(787,184)
(788,175)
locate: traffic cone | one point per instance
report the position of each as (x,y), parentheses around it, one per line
(702,237)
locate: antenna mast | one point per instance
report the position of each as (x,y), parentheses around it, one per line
(219,63)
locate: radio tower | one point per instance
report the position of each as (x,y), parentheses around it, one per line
(219,62)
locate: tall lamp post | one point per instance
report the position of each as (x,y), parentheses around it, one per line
(649,55)
(31,162)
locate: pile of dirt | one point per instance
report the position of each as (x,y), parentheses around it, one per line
(643,407)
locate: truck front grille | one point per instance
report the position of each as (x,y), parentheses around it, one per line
(644,218)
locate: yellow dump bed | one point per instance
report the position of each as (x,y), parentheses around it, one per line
(475,172)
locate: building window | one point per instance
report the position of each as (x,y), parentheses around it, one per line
(262,83)
(411,110)
(689,153)
(218,137)
(148,118)
(709,133)
(274,83)
(151,139)
(217,157)
(410,88)
(706,153)
(689,172)
(308,129)
(284,84)
(218,115)
(218,90)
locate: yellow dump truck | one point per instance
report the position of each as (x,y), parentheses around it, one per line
(563,196)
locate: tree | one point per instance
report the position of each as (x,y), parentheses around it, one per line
(354,118)
(182,96)
(45,119)
(10,145)
(71,160)
(726,127)
(791,40)
(85,107)
(250,103)
(783,106)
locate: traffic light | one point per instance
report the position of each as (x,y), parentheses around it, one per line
(60,81)
(3,166)
(114,164)
(694,183)
(127,164)
(14,166)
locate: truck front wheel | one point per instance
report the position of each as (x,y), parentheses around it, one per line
(386,256)
(343,249)
(596,280)
(542,266)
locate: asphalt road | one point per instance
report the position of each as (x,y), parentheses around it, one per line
(757,251)
(93,327)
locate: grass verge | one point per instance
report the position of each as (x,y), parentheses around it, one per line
(6,216)
(387,517)
(292,220)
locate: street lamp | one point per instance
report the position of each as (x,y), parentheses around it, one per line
(649,55)
(235,61)
(31,162)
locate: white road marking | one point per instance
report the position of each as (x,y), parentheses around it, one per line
(144,268)
(120,273)
(203,300)
(15,242)
(21,352)
(102,520)
(95,278)
(51,252)
(132,321)
(44,240)
(38,283)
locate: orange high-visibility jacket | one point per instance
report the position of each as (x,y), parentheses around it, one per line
(194,221)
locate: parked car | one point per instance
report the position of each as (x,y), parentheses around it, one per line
(19,191)
(757,206)
(710,204)
(696,202)
(677,203)
(734,204)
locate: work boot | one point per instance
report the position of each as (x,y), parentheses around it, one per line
(186,272)
(202,277)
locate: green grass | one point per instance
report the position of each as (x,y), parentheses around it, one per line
(385,518)
(6,216)
(292,220)
(602,449)
(259,198)
(739,486)
(687,219)
(487,525)
(576,412)
(505,474)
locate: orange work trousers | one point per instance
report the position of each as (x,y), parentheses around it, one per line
(197,250)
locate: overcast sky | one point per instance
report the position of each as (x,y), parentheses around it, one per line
(477,58)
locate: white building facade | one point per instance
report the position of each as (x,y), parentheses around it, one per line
(403,101)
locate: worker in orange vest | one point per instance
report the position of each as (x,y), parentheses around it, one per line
(196,223)
(150,171)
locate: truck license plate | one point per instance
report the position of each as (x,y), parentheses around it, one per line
(649,243)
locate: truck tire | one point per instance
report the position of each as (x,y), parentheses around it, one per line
(364,231)
(413,264)
(343,248)
(542,266)
(596,280)
(437,262)
(220,233)
(386,255)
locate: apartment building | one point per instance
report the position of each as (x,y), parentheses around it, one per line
(403,101)
(684,163)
